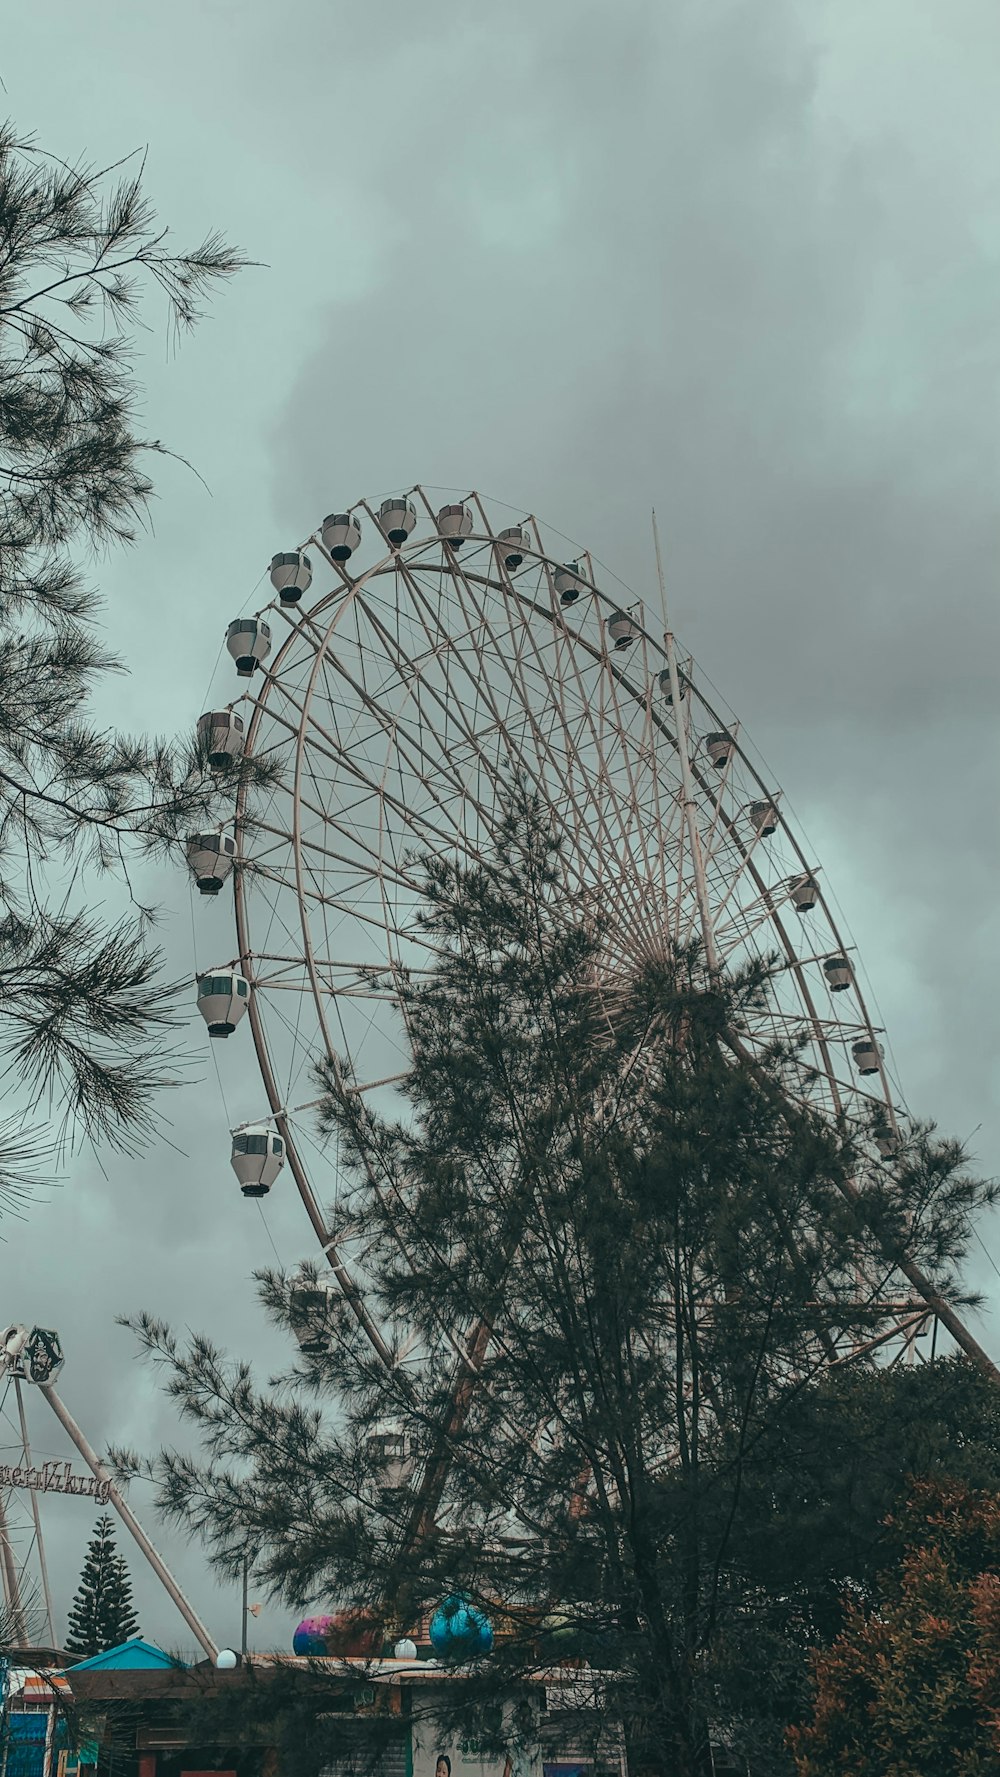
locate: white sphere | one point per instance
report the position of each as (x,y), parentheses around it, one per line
(226,1660)
(621,629)
(405,1649)
(567,582)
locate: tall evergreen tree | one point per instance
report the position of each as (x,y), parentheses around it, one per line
(84,1016)
(617,1250)
(102,1614)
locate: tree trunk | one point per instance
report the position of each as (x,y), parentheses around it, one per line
(667,1742)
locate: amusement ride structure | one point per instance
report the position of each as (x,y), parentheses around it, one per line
(415,659)
(31,1358)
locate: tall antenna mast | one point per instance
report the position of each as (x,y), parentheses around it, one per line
(687,777)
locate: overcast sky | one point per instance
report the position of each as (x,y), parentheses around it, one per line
(737,260)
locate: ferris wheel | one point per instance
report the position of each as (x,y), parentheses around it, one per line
(416,659)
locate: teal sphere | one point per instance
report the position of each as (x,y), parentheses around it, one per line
(459,1631)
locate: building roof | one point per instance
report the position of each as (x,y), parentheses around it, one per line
(35,1687)
(132,1656)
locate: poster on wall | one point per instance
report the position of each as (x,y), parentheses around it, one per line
(444,1752)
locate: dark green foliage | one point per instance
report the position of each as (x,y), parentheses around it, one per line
(102,1614)
(845,1457)
(621,1253)
(821,1501)
(911,1683)
(83,1016)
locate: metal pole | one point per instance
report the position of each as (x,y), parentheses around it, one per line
(129,1519)
(36,1514)
(687,780)
(11,1585)
(4,1711)
(246,1582)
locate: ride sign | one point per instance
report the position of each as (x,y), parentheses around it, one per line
(54,1477)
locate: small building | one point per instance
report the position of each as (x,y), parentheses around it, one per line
(139,1711)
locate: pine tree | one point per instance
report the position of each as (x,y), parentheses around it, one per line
(84,1016)
(102,1614)
(617,1251)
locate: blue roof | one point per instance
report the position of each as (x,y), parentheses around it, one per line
(132,1656)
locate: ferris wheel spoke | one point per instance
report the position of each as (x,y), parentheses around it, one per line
(300,1050)
(419,686)
(499,778)
(558,704)
(660,817)
(355,880)
(736,877)
(713,796)
(417,758)
(340,976)
(400,927)
(569,674)
(619,732)
(574,736)
(777,924)
(275,915)
(834,1027)
(426,830)
(722,827)
(328,854)
(542,740)
(480,690)
(372,919)
(735,933)
(685,887)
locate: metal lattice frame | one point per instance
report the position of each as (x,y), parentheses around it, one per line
(399,704)
(22,1546)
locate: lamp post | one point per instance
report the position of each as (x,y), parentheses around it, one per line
(246,1583)
(249,1610)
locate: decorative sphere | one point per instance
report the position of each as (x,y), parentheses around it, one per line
(311,1636)
(405,1649)
(350,1634)
(226,1660)
(559,1629)
(459,1631)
